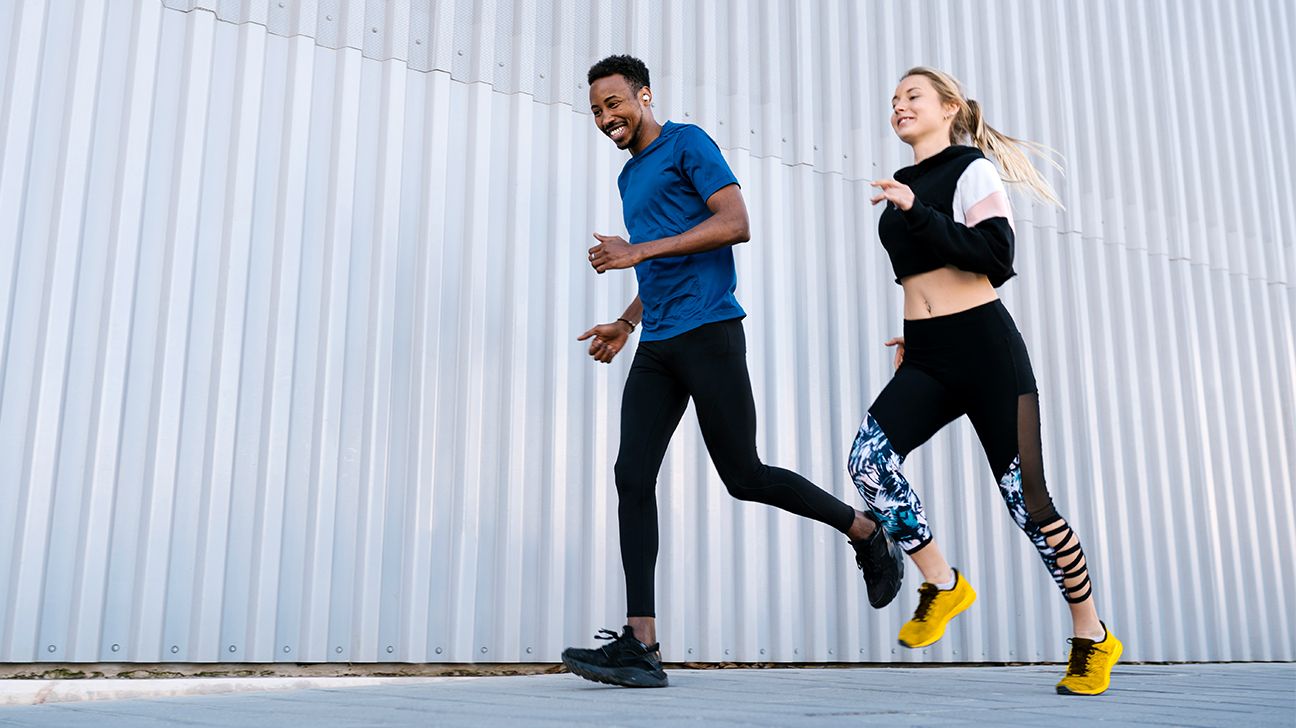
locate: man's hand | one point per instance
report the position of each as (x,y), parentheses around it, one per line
(608,340)
(612,253)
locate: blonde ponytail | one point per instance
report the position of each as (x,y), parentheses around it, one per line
(1009,152)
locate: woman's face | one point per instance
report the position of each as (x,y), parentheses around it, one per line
(917,111)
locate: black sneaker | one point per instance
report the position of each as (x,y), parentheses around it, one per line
(882,562)
(624,661)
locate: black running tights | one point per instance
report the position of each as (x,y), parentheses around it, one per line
(708,364)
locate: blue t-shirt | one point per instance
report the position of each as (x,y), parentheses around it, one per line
(664,190)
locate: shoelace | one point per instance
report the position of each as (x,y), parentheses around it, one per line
(863,557)
(860,560)
(624,642)
(926,597)
(615,642)
(1082,650)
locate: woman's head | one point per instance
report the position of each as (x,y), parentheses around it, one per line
(929,102)
(924,106)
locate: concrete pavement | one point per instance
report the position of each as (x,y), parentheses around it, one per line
(1249,695)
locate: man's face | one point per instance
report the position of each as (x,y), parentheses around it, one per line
(618,110)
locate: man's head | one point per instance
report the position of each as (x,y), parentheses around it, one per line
(621,101)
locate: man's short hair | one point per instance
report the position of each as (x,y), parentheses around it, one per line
(632,68)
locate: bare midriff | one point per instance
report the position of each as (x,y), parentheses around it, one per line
(944,291)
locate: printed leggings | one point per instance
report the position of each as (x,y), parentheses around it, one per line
(973,362)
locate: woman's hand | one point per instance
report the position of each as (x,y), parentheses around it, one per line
(894,192)
(898,343)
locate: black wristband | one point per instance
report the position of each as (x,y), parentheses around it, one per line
(627,323)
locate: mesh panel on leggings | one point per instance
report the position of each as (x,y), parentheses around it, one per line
(1063,545)
(1030,449)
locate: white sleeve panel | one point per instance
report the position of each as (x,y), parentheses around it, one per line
(980,187)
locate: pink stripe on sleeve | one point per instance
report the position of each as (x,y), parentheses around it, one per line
(993,205)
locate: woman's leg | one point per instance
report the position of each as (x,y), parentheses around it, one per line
(909,410)
(912,407)
(1094,651)
(1022,485)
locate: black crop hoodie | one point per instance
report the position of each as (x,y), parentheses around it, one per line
(960,217)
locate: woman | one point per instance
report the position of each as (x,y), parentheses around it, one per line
(948,230)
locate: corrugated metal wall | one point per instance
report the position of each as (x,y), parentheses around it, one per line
(290,293)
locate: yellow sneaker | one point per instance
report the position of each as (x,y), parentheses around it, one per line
(1089,669)
(936,607)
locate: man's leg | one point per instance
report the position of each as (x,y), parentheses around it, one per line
(713,363)
(715,371)
(651,407)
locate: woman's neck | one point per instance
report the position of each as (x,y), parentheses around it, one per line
(929,147)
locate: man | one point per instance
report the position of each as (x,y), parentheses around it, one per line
(685,212)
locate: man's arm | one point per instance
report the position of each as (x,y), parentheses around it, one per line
(727,225)
(633,313)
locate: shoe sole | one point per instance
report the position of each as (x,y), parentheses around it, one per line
(884,602)
(958,609)
(1062,690)
(618,677)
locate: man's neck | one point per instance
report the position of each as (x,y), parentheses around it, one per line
(648,133)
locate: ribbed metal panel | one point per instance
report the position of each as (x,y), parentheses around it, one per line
(290,293)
